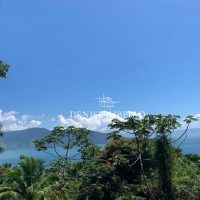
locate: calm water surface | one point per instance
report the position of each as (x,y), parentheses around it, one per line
(13,156)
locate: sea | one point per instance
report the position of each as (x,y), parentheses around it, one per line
(191,145)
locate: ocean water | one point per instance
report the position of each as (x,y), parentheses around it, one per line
(13,156)
(191,145)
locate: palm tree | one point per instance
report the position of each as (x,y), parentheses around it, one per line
(47,188)
(29,181)
(7,193)
(19,179)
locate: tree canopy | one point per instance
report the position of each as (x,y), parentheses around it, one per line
(146,166)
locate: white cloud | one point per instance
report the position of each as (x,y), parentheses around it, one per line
(7,117)
(13,121)
(97,122)
(35,123)
(197,116)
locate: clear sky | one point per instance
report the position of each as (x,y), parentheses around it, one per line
(64,53)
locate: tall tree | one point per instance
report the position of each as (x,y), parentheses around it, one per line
(68,139)
(159,128)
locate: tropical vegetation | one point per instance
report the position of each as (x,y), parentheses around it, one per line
(147,165)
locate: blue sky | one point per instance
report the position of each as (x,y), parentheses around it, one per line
(63,54)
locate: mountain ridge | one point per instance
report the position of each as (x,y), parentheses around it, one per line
(24,138)
(20,139)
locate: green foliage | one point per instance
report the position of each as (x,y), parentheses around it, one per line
(68,139)
(1,134)
(147,166)
(8,194)
(194,158)
(17,180)
(47,188)
(186,179)
(3,69)
(105,176)
(164,164)
(3,74)
(160,127)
